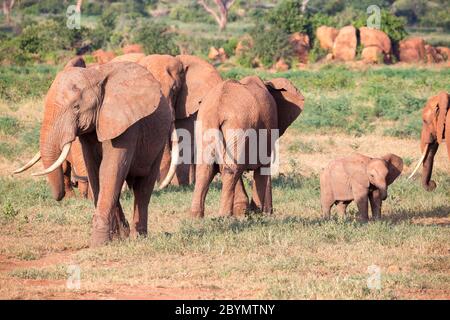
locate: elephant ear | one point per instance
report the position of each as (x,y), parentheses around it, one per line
(442,108)
(395,167)
(443,98)
(75,62)
(130,93)
(200,77)
(355,166)
(289,101)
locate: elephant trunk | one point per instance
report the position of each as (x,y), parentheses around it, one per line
(427,169)
(49,154)
(383,193)
(55,142)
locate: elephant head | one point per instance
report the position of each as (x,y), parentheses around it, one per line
(376,173)
(435,120)
(290,102)
(83,100)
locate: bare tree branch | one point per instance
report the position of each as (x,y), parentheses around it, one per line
(79,4)
(223,7)
(7,8)
(304,5)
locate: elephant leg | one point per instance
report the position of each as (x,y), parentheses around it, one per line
(92,159)
(375,204)
(120,227)
(229,181)
(240,203)
(342,207)
(113,170)
(203,177)
(262,192)
(83,188)
(142,189)
(69,193)
(362,202)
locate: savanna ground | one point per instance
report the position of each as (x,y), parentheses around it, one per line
(292,254)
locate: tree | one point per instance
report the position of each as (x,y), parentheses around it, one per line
(7,8)
(221,17)
(79,4)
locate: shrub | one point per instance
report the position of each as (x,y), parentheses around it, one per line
(155,38)
(191,12)
(392,25)
(270,44)
(230,46)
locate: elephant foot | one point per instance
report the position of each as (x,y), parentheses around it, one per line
(137,233)
(363,219)
(101,233)
(239,209)
(120,230)
(69,194)
(197,214)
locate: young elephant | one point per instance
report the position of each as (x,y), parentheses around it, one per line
(358,178)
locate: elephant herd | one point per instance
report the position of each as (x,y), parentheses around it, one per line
(141,119)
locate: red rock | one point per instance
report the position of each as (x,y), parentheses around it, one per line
(344,47)
(444,52)
(433,56)
(372,54)
(217,54)
(102,56)
(412,50)
(281,66)
(326,36)
(301,46)
(132,48)
(373,37)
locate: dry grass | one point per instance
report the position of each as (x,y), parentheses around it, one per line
(290,255)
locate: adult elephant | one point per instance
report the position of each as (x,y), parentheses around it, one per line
(184,80)
(233,114)
(74,168)
(435,124)
(123,121)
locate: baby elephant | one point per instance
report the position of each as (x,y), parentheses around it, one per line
(358,178)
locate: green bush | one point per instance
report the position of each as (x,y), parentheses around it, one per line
(393,26)
(270,44)
(230,46)
(190,12)
(155,38)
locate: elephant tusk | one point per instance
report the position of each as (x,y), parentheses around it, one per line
(419,163)
(30,163)
(58,162)
(175,156)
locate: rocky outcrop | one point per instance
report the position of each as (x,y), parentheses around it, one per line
(300,45)
(217,54)
(102,56)
(412,50)
(326,36)
(376,45)
(344,47)
(132,48)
